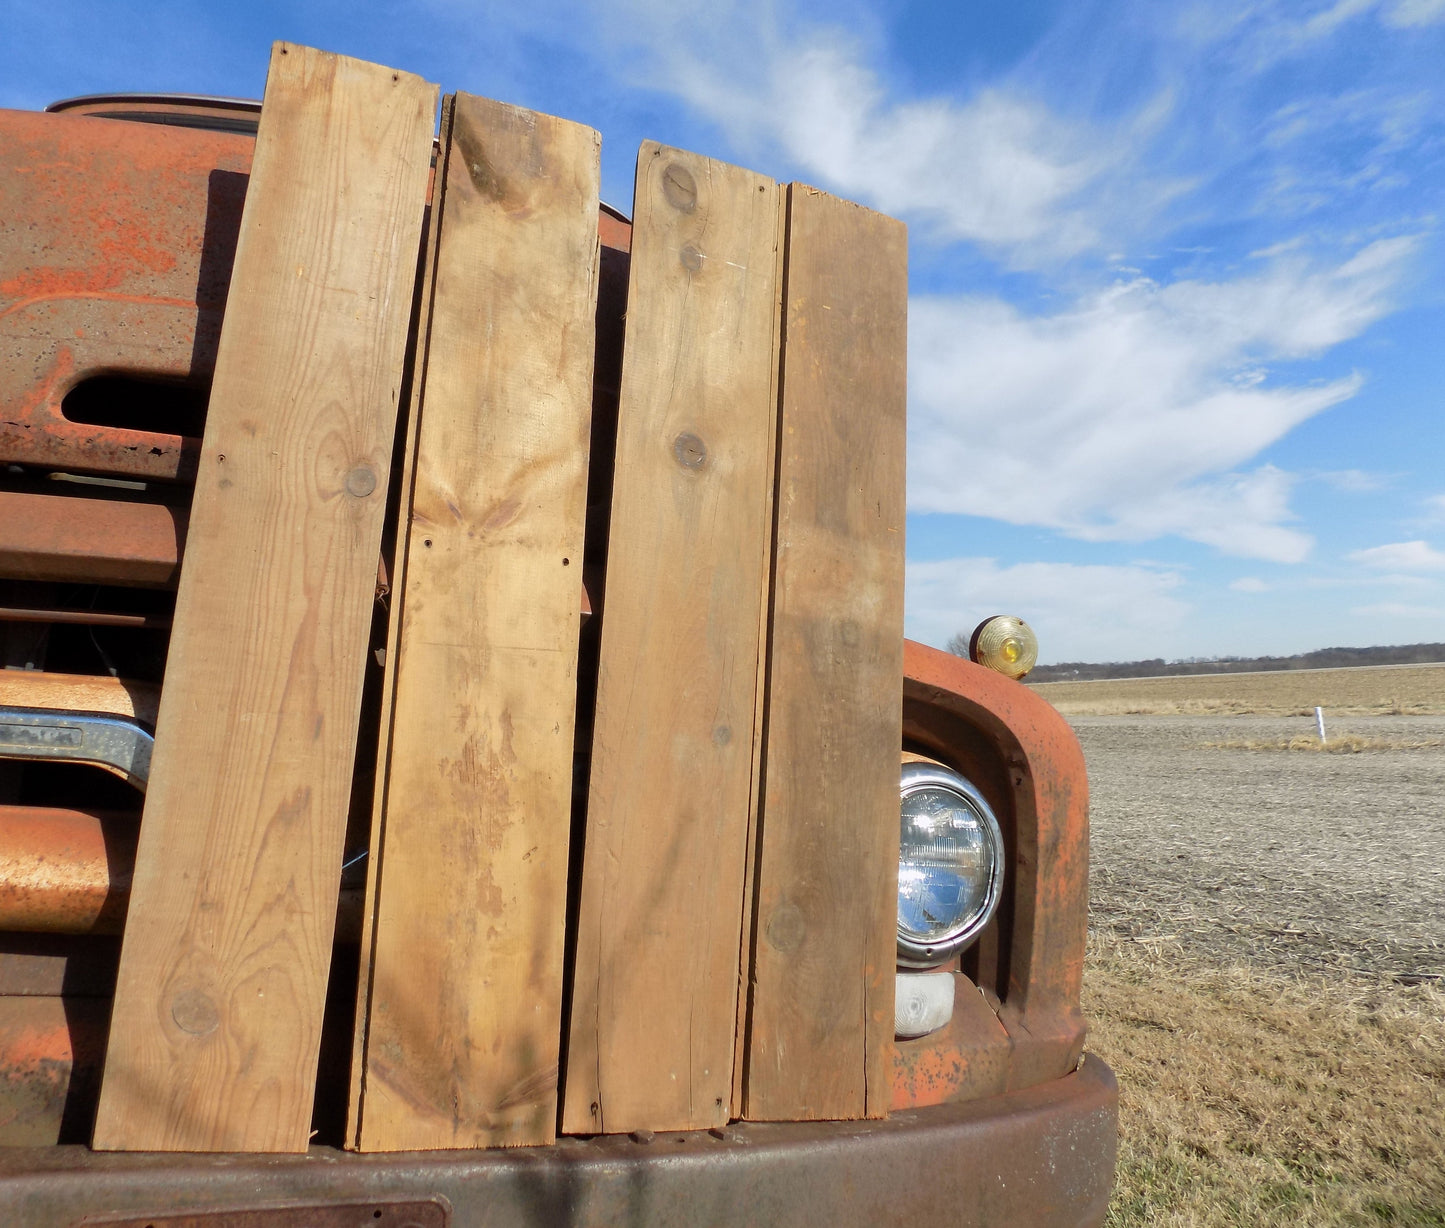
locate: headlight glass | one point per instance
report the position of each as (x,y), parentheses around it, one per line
(950,867)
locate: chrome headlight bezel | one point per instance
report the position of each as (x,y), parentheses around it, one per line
(914,952)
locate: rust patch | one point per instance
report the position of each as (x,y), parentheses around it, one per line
(125,254)
(64,871)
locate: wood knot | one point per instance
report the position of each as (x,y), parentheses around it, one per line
(680,188)
(690,451)
(195,1012)
(786,928)
(691,258)
(360,482)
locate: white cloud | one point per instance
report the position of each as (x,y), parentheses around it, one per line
(1270,38)
(1351,481)
(1409,13)
(1327,21)
(1081,612)
(1132,413)
(1418,581)
(1401,556)
(1249,584)
(1263,34)
(1326,147)
(1395,609)
(1130,416)
(994,167)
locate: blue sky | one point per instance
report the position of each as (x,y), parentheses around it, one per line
(1177,328)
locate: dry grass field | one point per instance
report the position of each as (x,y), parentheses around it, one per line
(1267,957)
(1249,1098)
(1380,690)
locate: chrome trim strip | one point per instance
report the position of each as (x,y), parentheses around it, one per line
(45,735)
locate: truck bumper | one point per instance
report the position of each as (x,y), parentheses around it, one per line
(1043,1156)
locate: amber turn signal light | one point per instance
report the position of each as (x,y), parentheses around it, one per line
(1005,643)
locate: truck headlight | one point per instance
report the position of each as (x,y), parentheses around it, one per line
(950,864)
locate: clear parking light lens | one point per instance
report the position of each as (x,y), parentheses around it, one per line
(950,864)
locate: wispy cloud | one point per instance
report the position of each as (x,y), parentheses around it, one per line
(1350,481)
(1249,584)
(1322,147)
(1081,612)
(1142,409)
(1406,14)
(1129,416)
(1434,506)
(1270,32)
(1323,22)
(1290,108)
(1401,556)
(1133,411)
(996,168)
(1399,610)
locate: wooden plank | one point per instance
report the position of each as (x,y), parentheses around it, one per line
(821,1021)
(217,1019)
(760,701)
(654,995)
(425,296)
(466,986)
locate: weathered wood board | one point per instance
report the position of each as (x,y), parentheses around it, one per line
(655,988)
(464,1007)
(217,1017)
(398,562)
(821,1018)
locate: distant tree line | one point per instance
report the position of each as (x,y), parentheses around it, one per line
(1324,658)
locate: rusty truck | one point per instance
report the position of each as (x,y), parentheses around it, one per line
(119,218)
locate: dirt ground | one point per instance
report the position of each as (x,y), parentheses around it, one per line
(1289,860)
(1266,969)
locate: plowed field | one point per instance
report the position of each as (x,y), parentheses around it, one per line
(1267,950)
(1378,690)
(1283,859)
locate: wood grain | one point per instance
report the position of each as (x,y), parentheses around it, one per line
(426,293)
(760,701)
(655,984)
(217,1017)
(465,1007)
(821,1019)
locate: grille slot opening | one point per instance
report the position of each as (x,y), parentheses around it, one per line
(133,403)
